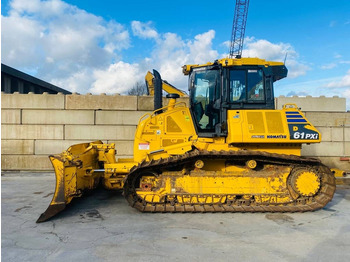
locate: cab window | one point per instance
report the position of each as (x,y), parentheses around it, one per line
(246,85)
(205,90)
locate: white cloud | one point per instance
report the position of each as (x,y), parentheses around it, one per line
(76,81)
(276,52)
(314,87)
(44,8)
(201,48)
(118,78)
(346,94)
(333,86)
(143,30)
(82,52)
(59,40)
(341,87)
(264,49)
(169,54)
(226,44)
(337,56)
(172,52)
(297,93)
(328,66)
(342,83)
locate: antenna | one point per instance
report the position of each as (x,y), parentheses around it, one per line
(285,58)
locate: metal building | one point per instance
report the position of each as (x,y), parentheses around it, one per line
(13,80)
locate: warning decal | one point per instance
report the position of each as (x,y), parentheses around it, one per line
(143,146)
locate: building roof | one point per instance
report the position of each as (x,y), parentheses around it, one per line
(13,80)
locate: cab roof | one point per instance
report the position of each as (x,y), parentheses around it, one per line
(228,62)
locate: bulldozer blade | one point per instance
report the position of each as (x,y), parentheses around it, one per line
(74,176)
(51,211)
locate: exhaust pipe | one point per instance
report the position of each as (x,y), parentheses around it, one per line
(158,98)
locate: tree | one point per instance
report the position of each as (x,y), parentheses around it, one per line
(138,89)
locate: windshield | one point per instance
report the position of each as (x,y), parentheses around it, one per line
(204,92)
(246,85)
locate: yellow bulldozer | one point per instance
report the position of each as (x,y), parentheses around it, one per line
(230,150)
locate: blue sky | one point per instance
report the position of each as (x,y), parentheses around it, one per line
(106,46)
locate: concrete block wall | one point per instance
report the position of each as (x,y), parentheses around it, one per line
(35,126)
(313,104)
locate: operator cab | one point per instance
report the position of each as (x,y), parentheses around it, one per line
(226,84)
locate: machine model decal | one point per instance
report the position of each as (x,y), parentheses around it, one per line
(257,136)
(300,132)
(297,127)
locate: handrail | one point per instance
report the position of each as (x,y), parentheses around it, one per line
(165,107)
(290,104)
(141,118)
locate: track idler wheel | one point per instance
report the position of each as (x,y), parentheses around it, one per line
(305,181)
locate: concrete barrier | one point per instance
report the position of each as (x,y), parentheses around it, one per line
(119,117)
(332,119)
(10,116)
(32,101)
(94,132)
(100,102)
(317,104)
(18,147)
(32,132)
(34,126)
(54,117)
(25,162)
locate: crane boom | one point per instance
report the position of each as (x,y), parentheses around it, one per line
(238,28)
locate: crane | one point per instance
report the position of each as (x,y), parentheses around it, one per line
(238,28)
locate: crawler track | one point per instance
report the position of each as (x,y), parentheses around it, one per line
(299,204)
